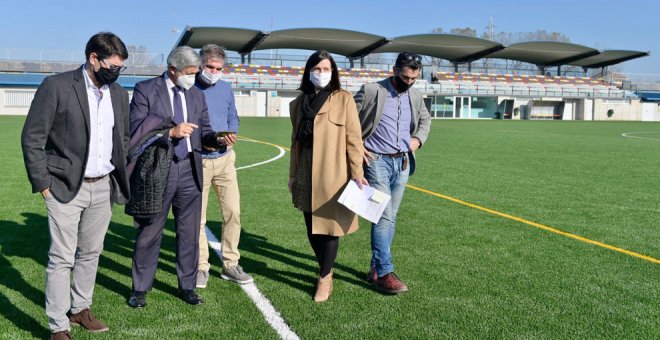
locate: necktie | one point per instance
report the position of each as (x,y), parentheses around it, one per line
(181,148)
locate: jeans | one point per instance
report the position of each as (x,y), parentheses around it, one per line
(385,174)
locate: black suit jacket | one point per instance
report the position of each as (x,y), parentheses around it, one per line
(55,138)
(151,101)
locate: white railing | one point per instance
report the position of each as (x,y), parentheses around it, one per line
(444,87)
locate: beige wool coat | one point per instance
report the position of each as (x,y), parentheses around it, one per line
(337,157)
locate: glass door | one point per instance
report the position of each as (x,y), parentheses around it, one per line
(462,107)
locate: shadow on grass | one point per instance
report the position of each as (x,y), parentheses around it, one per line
(305,282)
(120,241)
(30,240)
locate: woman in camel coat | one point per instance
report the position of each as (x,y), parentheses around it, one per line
(326,152)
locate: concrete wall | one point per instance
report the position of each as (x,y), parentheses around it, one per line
(650,112)
(253,103)
(624,109)
(16,100)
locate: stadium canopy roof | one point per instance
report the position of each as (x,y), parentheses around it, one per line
(352,44)
(455,48)
(343,42)
(545,53)
(607,58)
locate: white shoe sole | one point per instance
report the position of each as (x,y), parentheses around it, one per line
(229,278)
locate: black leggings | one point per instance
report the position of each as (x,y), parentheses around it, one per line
(325,247)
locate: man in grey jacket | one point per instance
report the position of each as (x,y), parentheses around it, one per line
(395,123)
(74,145)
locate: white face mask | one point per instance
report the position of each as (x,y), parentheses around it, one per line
(320,79)
(210,77)
(186,81)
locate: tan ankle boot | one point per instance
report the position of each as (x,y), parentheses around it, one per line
(323,288)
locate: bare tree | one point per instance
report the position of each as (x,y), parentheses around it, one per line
(465,31)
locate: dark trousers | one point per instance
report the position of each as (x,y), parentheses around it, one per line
(325,247)
(186,201)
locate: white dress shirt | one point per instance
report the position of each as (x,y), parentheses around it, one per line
(101,123)
(171,84)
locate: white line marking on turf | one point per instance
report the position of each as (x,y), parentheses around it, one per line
(282,153)
(632,135)
(273,317)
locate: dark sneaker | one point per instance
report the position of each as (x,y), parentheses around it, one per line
(373,275)
(63,335)
(390,284)
(202,279)
(86,319)
(138,299)
(236,274)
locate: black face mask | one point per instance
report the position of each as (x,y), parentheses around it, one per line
(106,76)
(400,85)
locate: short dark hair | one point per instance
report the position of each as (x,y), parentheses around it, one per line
(106,44)
(408,59)
(306,85)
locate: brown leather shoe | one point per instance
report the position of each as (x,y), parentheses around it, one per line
(323,288)
(86,319)
(390,284)
(63,335)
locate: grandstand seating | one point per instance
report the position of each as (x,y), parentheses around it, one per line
(297,71)
(524,85)
(510,78)
(445,83)
(288,77)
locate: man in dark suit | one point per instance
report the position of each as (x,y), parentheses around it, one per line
(74,145)
(172,97)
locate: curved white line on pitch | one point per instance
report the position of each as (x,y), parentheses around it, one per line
(273,317)
(632,135)
(282,152)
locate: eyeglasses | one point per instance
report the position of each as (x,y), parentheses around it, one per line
(407,56)
(114,68)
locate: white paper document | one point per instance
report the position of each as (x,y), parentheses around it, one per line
(369,203)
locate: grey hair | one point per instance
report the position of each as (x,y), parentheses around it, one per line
(182,57)
(212,51)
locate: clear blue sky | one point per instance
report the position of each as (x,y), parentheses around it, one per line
(66,25)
